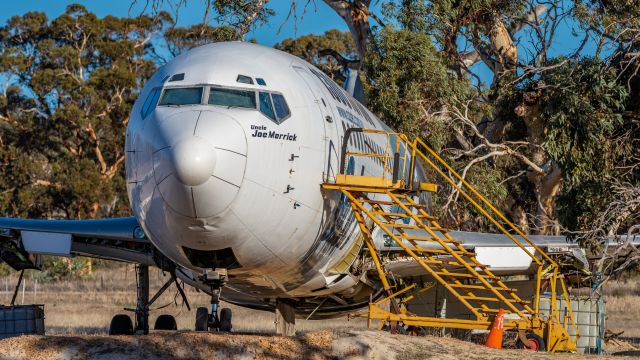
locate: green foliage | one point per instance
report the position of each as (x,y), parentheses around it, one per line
(408,79)
(71,84)
(58,268)
(583,108)
(181,39)
(309,47)
(606,15)
(590,136)
(410,14)
(241,14)
(446,20)
(575,114)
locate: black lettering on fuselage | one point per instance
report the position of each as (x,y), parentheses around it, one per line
(260,131)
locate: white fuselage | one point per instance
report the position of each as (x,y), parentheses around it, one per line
(224,185)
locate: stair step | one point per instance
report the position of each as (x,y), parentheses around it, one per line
(403,215)
(384,202)
(480,287)
(492,299)
(467,275)
(440,251)
(506,311)
(450,263)
(414,227)
(430,239)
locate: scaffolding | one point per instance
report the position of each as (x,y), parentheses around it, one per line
(387,201)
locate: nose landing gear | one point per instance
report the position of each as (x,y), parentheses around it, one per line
(214,321)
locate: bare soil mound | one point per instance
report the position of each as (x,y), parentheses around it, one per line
(313,345)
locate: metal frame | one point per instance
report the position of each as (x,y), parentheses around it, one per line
(459,272)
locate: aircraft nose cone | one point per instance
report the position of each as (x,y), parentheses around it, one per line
(194,161)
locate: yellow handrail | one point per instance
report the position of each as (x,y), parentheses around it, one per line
(482,199)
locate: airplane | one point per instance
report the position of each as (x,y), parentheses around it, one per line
(227,148)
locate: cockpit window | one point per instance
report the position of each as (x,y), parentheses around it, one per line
(244,79)
(150,103)
(274,106)
(281,107)
(232,98)
(265,105)
(182,96)
(177,77)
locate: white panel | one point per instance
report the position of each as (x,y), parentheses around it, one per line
(173,128)
(162,164)
(46,243)
(212,197)
(229,166)
(222,131)
(144,166)
(177,196)
(511,258)
(131,166)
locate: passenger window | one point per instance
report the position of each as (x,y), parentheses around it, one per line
(150,103)
(265,105)
(232,98)
(181,96)
(281,107)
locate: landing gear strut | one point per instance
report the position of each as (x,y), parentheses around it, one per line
(121,324)
(285,318)
(142,303)
(214,321)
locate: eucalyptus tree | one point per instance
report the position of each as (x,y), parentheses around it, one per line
(69,86)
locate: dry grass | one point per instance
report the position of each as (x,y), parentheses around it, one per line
(87,306)
(623,306)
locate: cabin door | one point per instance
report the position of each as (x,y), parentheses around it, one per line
(331,135)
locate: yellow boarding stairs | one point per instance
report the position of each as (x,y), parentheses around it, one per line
(385,201)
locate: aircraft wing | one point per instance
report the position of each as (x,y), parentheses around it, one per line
(497,251)
(22,241)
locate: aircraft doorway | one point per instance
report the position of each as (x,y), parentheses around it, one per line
(332,148)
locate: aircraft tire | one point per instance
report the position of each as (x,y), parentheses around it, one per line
(165,322)
(225,320)
(202,319)
(121,324)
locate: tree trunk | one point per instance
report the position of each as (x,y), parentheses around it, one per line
(356,15)
(547,188)
(547,179)
(519,216)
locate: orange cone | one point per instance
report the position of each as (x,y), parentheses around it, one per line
(495,335)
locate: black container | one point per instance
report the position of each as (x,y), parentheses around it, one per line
(21,320)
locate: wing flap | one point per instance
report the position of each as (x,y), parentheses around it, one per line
(46,243)
(121,239)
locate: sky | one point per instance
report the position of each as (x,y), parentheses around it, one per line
(317,19)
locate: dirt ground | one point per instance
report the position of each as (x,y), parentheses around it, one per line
(351,344)
(78,314)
